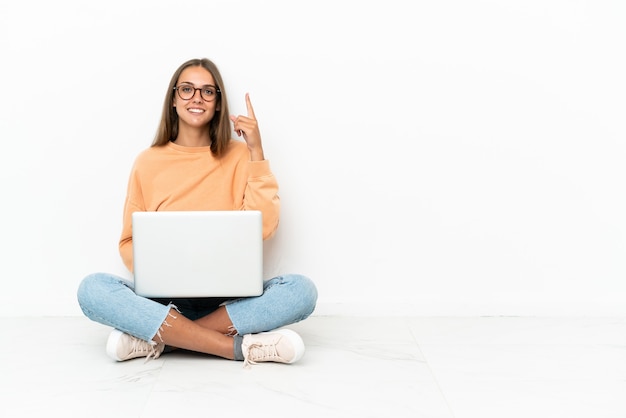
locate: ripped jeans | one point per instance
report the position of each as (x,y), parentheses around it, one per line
(111,300)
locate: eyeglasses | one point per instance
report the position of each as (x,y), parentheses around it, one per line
(187,91)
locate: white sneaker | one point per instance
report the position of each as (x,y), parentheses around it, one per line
(122,346)
(281,346)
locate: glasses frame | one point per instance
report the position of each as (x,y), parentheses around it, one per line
(217,91)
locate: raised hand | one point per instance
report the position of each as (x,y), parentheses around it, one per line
(249,128)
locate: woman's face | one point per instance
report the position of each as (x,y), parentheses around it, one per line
(195,111)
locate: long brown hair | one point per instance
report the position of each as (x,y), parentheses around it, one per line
(219,127)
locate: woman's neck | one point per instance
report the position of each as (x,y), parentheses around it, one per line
(193,138)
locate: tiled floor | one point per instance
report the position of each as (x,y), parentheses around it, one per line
(353,367)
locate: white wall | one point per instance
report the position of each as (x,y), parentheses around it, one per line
(435,158)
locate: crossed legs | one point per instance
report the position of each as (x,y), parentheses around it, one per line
(110,300)
(209,334)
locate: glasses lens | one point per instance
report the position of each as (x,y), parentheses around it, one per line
(208,93)
(185,92)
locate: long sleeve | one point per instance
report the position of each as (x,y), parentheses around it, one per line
(262,194)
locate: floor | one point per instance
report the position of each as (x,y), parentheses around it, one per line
(499,367)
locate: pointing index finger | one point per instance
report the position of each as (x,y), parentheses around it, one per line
(249,106)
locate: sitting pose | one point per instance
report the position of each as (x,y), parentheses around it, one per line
(195,164)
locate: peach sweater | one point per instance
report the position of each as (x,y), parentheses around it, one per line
(173,177)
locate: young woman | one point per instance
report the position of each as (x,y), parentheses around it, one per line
(194,163)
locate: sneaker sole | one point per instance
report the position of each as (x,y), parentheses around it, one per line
(114,338)
(298,344)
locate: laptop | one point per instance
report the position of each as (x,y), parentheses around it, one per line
(198,253)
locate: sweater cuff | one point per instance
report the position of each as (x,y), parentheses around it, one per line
(259,169)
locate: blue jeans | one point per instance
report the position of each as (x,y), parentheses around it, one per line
(111,300)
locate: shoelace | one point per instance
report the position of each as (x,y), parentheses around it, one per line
(260,352)
(145,347)
(154,354)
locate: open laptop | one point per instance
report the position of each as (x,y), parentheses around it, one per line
(198,253)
